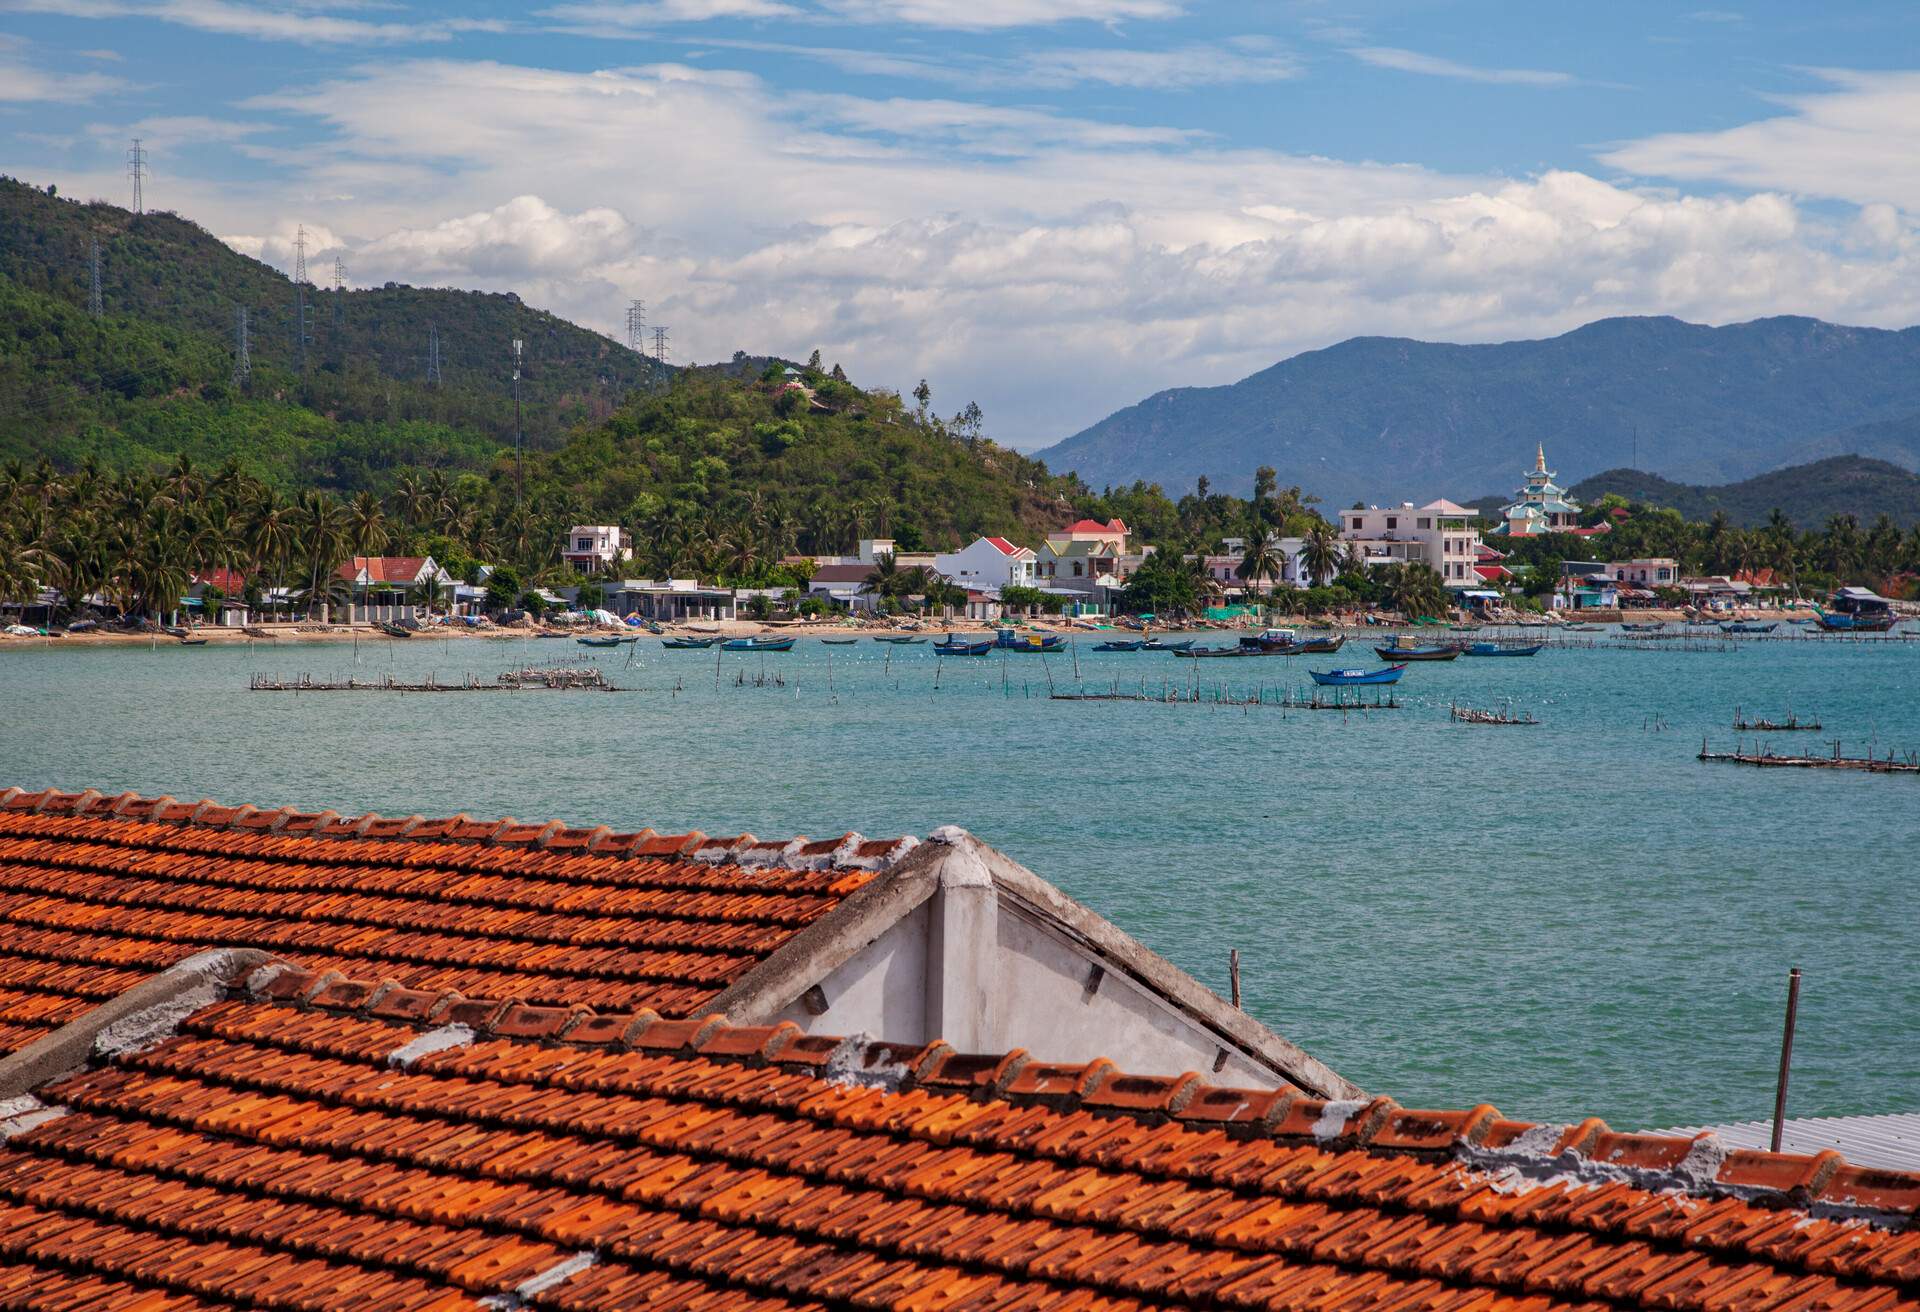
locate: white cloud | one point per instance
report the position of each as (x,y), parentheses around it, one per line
(262,22)
(1053,282)
(618,18)
(1412,61)
(25,78)
(1249,59)
(1858,142)
(981,15)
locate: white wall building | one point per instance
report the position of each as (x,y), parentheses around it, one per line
(987,563)
(1439,534)
(596,548)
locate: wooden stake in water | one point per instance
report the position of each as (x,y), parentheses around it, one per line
(1233,969)
(1786,1056)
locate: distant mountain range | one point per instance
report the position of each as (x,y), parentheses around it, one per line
(1383,420)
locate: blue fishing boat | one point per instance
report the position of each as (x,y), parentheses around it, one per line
(963,647)
(1495,649)
(1642,628)
(689,644)
(1161,644)
(757,644)
(1856,610)
(1403,654)
(899,639)
(609,640)
(1211,653)
(839,642)
(1749,626)
(1009,640)
(1355,678)
(1136,644)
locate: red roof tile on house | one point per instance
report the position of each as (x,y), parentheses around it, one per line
(96,892)
(1095,526)
(309,1143)
(1005,547)
(383,569)
(231,582)
(1492,572)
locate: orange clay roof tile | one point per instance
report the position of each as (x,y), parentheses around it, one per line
(93,886)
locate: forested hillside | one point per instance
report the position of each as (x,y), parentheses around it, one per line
(150,375)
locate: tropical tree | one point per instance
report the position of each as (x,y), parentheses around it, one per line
(1321,552)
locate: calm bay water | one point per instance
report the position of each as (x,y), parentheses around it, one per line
(1573,919)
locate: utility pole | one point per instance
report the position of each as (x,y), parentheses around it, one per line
(637,326)
(660,343)
(300,254)
(302,326)
(95,305)
(433,355)
(137,170)
(339,291)
(242,354)
(519,436)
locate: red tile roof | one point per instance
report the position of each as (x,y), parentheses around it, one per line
(1095,526)
(1005,547)
(384,569)
(96,892)
(312,1143)
(228,581)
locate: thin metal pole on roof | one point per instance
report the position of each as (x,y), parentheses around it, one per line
(1786,1056)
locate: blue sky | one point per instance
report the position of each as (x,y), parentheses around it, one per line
(1054,207)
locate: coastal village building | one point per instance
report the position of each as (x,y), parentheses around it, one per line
(669,599)
(1540,505)
(1439,535)
(1085,562)
(449,1064)
(596,548)
(1648,572)
(845,584)
(391,588)
(1224,569)
(987,565)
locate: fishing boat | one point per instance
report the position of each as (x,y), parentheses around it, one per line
(1496,649)
(193,642)
(1750,626)
(898,639)
(839,642)
(757,644)
(1642,628)
(1431,653)
(394,630)
(599,640)
(1856,610)
(963,647)
(1278,642)
(1009,640)
(689,644)
(1210,653)
(1135,644)
(1323,646)
(1355,678)
(1161,644)
(1586,628)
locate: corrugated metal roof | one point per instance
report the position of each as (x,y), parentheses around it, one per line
(1890,1141)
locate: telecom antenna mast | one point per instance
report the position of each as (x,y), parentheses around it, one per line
(637,326)
(95,305)
(242,354)
(137,170)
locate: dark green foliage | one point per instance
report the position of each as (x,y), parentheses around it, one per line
(1807,494)
(1390,419)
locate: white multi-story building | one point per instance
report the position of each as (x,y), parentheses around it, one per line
(1439,534)
(987,564)
(596,548)
(1290,553)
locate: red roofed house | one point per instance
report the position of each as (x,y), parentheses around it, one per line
(390,587)
(1083,557)
(987,565)
(229,585)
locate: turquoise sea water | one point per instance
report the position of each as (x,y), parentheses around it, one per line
(1572,919)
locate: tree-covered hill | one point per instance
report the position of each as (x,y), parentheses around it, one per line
(172,277)
(1806,494)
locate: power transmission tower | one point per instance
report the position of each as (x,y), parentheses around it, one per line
(637,326)
(95,305)
(433,356)
(519,468)
(339,290)
(242,353)
(660,343)
(300,254)
(137,170)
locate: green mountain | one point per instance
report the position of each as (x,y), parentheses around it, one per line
(1389,419)
(153,374)
(1809,494)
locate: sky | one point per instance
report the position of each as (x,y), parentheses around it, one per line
(1051,207)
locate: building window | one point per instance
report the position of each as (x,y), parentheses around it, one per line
(585,543)
(1076,569)
(1392,521)
(1425,522)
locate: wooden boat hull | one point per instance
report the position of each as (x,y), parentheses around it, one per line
(1155,644)
(1403,654)
(1494,649)
(1138,645)
(1357,678)
(980,648)
(1211,653)
(689,644)
(757,644)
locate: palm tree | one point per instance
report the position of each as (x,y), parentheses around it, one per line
(1259,561)
(1321,554)
(883,580)
(323,541)
(366,525)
